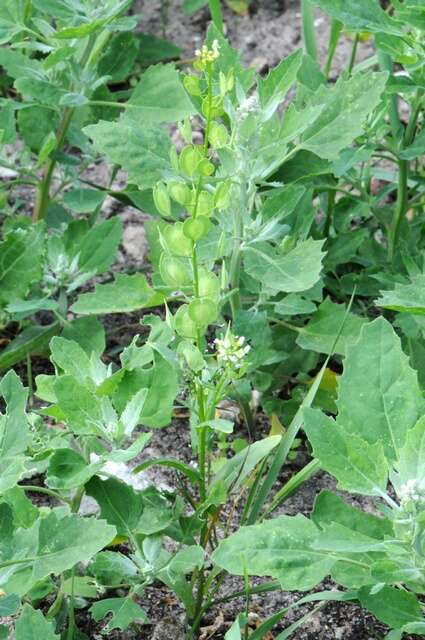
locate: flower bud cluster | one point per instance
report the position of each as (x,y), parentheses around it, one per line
(412,492)
(207,56)
(232,350)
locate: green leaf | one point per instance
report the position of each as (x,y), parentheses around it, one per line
(407,298)
(14,432)
(86,416)
(70,358)
(411,462)
(119,58)
(142,151)
(394,607)
(321,330)
(119,503)
(229,61)
(20,262)
(379,397)
(162,383)
(364,15)
(32,625)
(294,305)
(112,568)
(52,545)
(99,246)
(82,31)
(273,89)
(345,107)
(153,49)
(84,200)
(33,340)
(295,271)
(234,471)
(280,548)
(88,332)
(160,97)
(68,470)
(357,465)
(125,294)
(124,612)
(416,149)
(9,605)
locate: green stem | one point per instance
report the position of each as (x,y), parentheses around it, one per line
(402,193)
(216,14)
(307,16)
(329,213)
(47,492)
(353,53)
(43,192)
(336,29)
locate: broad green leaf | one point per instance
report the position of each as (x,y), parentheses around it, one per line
(416,149)
(361,15)
(291,272)
(119,58)
(321,330)
(294,305)
(70,358)
(35,125)
(407,298)
(234,471)
(68,470)
(17,64)
(162,383)
(99,246)
(130,511)
(280,548)
(392,606)
(82,31)
(358,466)
(23,510)
(39,90)
(273,89)
(20,262)
(124,612)
(88,332)
(160,97)
(9,605)
(52,545)
(124,455)
(84,200)
(411,462)
(85,416)
(154,49)
(14,432)
(379,397)
(142,151)
(125,294)
(112,568)
(33,340)
(186,560)
(345,108)
(32,625)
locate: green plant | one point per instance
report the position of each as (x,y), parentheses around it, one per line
(376,439)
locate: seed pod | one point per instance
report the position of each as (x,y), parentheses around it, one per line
(212,108)
(222,195)
(180,192)
(203,311)
(209,284)
(218,136)
(183,324)
(174,272)
(192,85)
(175,241)
(205,205)
(206,168)
(162,199)
(196,228)
(190,159)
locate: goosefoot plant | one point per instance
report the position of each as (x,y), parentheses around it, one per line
(373,448)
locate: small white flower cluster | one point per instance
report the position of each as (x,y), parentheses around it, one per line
(232,350)
(206,55)
(411,491)
(249,105)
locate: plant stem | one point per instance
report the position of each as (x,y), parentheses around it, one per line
(43,192)
(47,492)
(307,16)
(336,28)
(402,193)
(353,54)
(216,15)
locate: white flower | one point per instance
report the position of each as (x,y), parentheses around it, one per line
(411,491)
(206,55)
(249,105)
(231,349)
